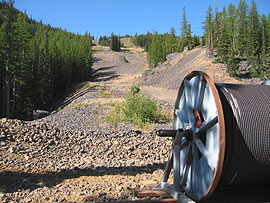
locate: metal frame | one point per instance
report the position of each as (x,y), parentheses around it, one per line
(174,162)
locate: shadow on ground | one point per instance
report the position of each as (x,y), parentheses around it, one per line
(103,74)
(13,181)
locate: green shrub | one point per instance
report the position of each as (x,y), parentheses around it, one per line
(140,108)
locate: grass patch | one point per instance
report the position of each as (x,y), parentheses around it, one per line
(86,105)
(77,107)
(115,115)
(86,86)
(104,93)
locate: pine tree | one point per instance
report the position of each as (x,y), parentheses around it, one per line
(173,41)
(267,57)
(7,39)
(223,42)
(21,75)
(264,29)
(232,29)
(38,63)
(184,26)
(216,24)
(253,37)
(186,31)
(242,27)
(208,31)
(156,51)
(190,41)
(115,44)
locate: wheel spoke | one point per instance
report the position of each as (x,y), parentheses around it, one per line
(201,91)
(186,168)
(184,143)
(187,92)
(195,88)
(196,171)
(209,123)
(206,154)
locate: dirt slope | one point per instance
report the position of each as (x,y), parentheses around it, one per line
(171,73)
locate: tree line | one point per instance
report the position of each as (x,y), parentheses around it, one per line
(38,63)
(159,46)
(113,42)
(239,34)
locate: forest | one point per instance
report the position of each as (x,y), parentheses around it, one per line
(38,63)
(159,46)
(239,35)
(113,42)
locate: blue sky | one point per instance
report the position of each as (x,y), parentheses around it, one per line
(102,17)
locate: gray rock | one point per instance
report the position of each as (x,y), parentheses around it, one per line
(37,114)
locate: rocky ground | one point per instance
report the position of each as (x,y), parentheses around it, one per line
(45,164)
(74,155)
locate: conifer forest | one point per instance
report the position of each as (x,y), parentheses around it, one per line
(38,63)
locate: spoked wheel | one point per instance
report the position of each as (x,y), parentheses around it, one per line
(198,108)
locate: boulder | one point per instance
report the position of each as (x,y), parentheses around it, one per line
(37,114)
(123,59)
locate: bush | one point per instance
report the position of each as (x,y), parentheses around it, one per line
(138,108)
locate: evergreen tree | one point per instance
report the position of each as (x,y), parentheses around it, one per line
(267,57)
(216,24)
(7,38)
(186,31)
(184,26)
(173,41)
(208,31)
(264,29)
(22,75)
(253,37)
(115,44)
(232,28)
(223,43)
(242,27)
(156,51)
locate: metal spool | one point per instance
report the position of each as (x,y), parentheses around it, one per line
(225,139)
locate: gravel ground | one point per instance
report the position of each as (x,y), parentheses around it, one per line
(170,74)
(37,162)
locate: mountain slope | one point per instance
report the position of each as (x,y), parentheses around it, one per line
(170,74)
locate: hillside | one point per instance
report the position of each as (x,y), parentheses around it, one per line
(74,155)
(171,73)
